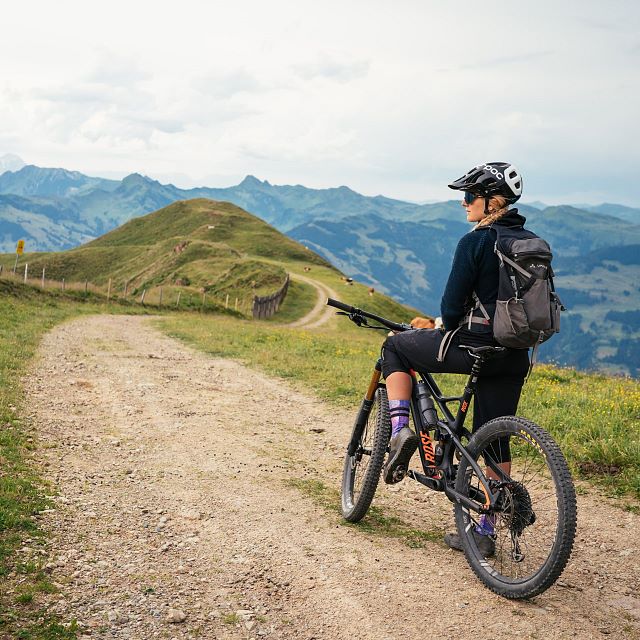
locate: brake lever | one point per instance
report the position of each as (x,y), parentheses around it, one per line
(356,318)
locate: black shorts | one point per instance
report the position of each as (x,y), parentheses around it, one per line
(500,380)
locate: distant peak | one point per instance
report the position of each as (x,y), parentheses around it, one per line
(137,178)
(250,181)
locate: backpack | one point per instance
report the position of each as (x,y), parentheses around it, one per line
(528,308)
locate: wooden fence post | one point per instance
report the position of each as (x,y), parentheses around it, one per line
(26,271)
(160,303)
(142,297)
(126,287)
(109,291)
(43,268)
(178,300)
(86,285)
(63,284)
(226,302)
(204,299)
(235,306)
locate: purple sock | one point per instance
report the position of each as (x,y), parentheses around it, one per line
(399,412)
(486,526)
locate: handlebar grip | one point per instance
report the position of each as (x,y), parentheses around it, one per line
(340,305)
(394,326)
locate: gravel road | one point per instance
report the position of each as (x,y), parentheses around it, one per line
(178,514)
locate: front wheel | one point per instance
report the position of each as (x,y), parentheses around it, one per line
(534,525)
(361,471)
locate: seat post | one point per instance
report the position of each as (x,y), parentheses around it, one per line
(473,376)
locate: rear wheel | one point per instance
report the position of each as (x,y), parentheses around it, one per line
(361,471)
(535,523)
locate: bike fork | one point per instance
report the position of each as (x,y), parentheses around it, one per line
(365,410)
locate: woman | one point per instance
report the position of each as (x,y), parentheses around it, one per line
(488,189)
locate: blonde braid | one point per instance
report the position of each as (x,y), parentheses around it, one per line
(498,207)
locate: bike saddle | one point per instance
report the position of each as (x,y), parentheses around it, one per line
(484,351)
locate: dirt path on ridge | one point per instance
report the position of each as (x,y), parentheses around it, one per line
(320,314)
(175,473)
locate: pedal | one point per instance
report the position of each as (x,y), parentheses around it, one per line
(399,474)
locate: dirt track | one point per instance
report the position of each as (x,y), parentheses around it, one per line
(174,471)
(320,314)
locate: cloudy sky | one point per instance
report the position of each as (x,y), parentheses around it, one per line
(392,97)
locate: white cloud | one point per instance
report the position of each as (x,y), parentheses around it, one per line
(226,84)
(391,98)
(332,67)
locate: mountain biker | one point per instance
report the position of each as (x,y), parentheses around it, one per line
(488,189)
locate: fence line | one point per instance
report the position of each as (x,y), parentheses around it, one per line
(256,306)
(266,306)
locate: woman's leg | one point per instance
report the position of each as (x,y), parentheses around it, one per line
(403,439)
(405,351)
(498,394)
(399,386)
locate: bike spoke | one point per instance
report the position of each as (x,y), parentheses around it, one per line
(521,548)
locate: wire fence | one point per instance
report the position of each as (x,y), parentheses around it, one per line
(161,296)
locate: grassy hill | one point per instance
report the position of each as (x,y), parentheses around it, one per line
(399,247)
(196,245)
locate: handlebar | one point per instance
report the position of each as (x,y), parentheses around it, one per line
(359,317)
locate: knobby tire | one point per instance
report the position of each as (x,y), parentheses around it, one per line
(536,528)
(362,471)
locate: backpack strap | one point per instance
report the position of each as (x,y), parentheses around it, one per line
(446,343)
(534,355)
(469,319)
(530,278)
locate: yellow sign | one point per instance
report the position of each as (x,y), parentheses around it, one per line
(20,247)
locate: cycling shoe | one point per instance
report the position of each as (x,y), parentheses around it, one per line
(486,545)
(401,448)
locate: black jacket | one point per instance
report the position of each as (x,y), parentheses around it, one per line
(474,268)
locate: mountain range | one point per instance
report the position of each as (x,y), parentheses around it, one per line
(401,248)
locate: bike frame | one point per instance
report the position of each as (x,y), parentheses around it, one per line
(441,476)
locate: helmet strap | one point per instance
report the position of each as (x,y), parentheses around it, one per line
(486,206)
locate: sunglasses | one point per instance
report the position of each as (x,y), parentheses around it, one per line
(470,198)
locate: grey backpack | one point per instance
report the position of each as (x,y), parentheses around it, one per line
(527,308)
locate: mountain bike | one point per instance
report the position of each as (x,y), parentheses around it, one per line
(532,507)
